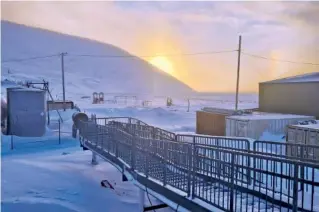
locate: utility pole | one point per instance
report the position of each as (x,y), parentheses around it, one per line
(238,70)
(63,85)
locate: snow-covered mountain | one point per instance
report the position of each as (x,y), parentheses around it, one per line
(83,74)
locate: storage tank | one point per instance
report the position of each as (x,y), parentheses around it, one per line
(26,112)
(255,124)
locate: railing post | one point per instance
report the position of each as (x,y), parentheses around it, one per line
(189,167)
(248,164)
(295,188)
(194,165)
(165,163)
(133,152)
(147,158)
(302,171)
(231,201)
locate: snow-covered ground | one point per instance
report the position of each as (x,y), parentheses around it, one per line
(45,174)
(42,173)
(64,180)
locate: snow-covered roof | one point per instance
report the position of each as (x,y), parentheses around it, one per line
(310,77)
(308,126)
(268,116)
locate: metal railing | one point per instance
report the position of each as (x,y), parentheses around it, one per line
(216,170)
(303,152)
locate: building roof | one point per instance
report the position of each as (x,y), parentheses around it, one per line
(310,77)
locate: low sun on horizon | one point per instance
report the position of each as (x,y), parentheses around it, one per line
(163,64)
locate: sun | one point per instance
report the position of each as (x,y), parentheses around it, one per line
(162,63)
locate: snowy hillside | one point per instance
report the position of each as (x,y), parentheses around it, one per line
(83,74)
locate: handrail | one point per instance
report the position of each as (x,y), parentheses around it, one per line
(194,167)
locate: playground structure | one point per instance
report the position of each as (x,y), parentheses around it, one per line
(98,98)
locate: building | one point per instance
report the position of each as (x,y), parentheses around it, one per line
(26,112)
(292,95)
(211,121)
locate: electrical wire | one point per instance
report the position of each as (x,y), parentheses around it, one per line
(279,60)
(151,56)
(29,58)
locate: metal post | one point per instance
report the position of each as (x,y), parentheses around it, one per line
(238,70)
(11,142)
(189,172)
(231,201)
(63,84)
(165,163)
(59,131)
(295,189)
(194,165)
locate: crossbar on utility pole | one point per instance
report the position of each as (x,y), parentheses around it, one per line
(238,70)
(63,85)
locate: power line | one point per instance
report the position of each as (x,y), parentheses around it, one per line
(29,58)
(279,60)
(150,56)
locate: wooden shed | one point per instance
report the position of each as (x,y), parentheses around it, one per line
(211,121)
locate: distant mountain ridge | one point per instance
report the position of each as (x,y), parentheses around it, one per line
(83,74)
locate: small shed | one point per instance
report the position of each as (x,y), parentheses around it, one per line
(26,112)
(211,121)
(292,95)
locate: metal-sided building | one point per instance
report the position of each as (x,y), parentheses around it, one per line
(292,95)
(26,112)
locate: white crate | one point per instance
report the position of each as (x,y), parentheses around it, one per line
(305,134)
(255,124)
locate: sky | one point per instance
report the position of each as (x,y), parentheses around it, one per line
(282,30)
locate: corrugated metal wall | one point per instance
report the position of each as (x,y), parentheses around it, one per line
(294,98)
(26,112)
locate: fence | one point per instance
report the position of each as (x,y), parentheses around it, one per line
(216,170)
(56,136)
(295,151)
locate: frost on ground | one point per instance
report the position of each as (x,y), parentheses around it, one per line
(64,180)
